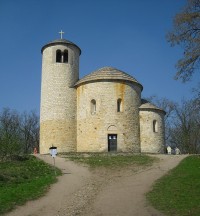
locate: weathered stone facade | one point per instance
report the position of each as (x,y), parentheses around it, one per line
(101,112)
(93,128)
(152,128)
(58,97)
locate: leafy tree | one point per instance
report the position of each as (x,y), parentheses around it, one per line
(186,32)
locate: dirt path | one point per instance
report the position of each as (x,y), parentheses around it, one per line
(126,196)
(58,201)
(85,193)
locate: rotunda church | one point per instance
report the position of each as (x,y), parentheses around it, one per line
(102,112)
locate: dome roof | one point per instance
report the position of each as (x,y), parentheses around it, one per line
(146,105)
(107,73)
(59,42)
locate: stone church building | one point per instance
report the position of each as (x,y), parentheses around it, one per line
(102,112)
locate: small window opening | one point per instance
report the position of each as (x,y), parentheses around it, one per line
(58,56)
(65,56)
(62,57)
(155,126)
(93,106)
(119,105)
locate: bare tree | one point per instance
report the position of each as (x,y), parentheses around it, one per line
(182,123)
(186,32)
(19,133)
(196,92)
(29,126)
(185,130)
(9,134)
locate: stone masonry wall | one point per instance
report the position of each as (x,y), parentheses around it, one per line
(57,133)
(152,142)
(93,128)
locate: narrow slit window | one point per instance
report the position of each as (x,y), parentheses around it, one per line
(93,106)
(58,56)
(155,126)
(119,105)
(65,56)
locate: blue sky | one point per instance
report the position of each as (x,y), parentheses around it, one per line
(126,34)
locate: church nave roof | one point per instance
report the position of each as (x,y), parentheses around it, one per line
(107,73)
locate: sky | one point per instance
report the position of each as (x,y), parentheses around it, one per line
(129,35)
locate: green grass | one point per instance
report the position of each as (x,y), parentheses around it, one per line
(98,160)
(23,180)
(178,193)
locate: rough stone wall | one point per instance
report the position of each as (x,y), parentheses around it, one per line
(57,133)
(58,100)
(93,128)
(152,142)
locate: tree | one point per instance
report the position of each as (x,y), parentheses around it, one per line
(9,134)
(196,92)
(185,128)
(19,133)
(29,127)
(182,123)
(186,32)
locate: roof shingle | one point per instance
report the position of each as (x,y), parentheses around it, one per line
(107,73)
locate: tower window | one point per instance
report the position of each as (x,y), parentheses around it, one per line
(62,57)
(155,126)
(65,56)
(93,106)
(58,56)
(119,105)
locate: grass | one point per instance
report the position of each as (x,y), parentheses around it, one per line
(178,193)
(23,180)
(111,161)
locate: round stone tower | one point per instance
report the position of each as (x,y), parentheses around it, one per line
(60,71)
(152,128)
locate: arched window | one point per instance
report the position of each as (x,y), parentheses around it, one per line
(58,56)
(155,126)
(119,105)
(65,56)
(62,57)
(93,106)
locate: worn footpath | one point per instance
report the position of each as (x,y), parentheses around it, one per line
(85,192)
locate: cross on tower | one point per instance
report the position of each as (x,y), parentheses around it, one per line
(61,33)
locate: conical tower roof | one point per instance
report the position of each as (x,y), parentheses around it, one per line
(59,42)
(107,73)
(146,105)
